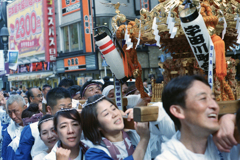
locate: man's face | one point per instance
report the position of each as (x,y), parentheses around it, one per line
(45,91)
(145,84)
(111,94)
(37,96)
(92,90)
(201,112)
(62,103)
(15,112)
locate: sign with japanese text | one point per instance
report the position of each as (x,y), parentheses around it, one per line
(50,31)
(25,23)
(87,13)
(198,38)
(75,64)
(118,93)
(70,6)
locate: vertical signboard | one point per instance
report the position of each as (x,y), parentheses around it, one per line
(25,23)
(70,6)
(87,23)
(2,63)
(145,4)
(13,59)
(50,31)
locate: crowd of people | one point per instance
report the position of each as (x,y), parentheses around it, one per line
(45,124)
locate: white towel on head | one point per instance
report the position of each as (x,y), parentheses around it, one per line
(107,89)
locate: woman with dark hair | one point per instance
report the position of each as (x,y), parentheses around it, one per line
(68,128)
(102,124)
(31,114)
(47,135)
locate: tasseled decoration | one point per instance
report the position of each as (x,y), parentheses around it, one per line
(221,66)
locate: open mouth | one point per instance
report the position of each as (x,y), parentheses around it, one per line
(118,121)
(213,116)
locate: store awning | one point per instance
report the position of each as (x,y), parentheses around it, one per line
(26,77)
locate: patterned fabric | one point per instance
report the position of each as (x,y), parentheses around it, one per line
(34,118)
(115,153)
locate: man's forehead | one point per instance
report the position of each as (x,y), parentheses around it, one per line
(35,90)
(93,85)
(198,88)
(14,105)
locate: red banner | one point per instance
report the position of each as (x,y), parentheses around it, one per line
(50,31)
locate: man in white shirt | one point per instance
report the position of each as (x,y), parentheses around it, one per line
(191,104)
(15,106)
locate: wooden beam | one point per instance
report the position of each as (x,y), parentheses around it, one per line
(145,114)
(228,106)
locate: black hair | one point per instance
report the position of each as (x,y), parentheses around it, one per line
(55,94)
(73,90)
(174,93)
(131,90)
(66,83)
(90,123)
(88,83)
(31,110)
(46,86)
(47,116)
(67,113)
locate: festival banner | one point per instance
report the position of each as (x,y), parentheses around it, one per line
(70,6)
(25,23)
(13,59)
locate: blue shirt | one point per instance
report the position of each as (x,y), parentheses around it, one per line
(96,154)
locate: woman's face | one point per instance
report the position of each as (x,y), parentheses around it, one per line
(109,117)
(47,134)
(69,132)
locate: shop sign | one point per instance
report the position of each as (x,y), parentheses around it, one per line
(25,23)
(70,6)
(86,13)
(50,31)
(75,63)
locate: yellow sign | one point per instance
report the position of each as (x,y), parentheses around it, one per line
(25,24)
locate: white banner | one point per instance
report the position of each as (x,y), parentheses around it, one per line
(13,59)
(199,39)
(2,63)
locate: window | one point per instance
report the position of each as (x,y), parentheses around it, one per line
(66,39)
(104,21)
(72,37)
